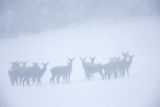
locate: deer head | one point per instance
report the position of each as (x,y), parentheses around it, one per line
(131,57)
(92,59)
(24,63)
(44,66)
(71,60)
(15,64)
(35,64)
(116,58)
(125,55)
(82,59)
(111,59)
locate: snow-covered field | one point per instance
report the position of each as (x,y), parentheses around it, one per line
(141,37)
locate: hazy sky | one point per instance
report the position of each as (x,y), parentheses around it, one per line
(20,17)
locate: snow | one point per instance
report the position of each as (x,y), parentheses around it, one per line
(141,37)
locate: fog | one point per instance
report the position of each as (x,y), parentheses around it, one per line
(87,53)
(21,17)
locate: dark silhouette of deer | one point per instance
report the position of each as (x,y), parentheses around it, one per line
(20,74)
(34,73)
(122,64)
(30,73)
(116,67)
(108,69)
(22,70)
(126,63)
(62,71)
(14,72)
(86,68)
(40,73)
(92,59)
(91,68)
(129,62)
(95,67)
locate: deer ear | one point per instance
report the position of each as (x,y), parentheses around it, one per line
(127,53)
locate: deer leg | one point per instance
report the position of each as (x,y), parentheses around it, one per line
(38,82)
(128,72)
(23,82)
(102,75)
(28,82)
(123,73)
(58,79)
(90,76)
(64,79)
(51,80)
(105,76)
(69,78)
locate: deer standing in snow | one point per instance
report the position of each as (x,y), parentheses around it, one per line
(62,71)
(95,67)
(14,73)
(91,68)
(129,62)
(86,68)
(40,73)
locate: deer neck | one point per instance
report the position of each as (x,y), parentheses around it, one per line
(44,68)
(70,67)
(83,63)
(125,59)
(130,60)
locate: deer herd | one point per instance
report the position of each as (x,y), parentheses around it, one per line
(21,74)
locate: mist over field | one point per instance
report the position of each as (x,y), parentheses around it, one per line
(21,17)
(56,36)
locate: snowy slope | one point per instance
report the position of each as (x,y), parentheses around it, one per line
(140,37)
